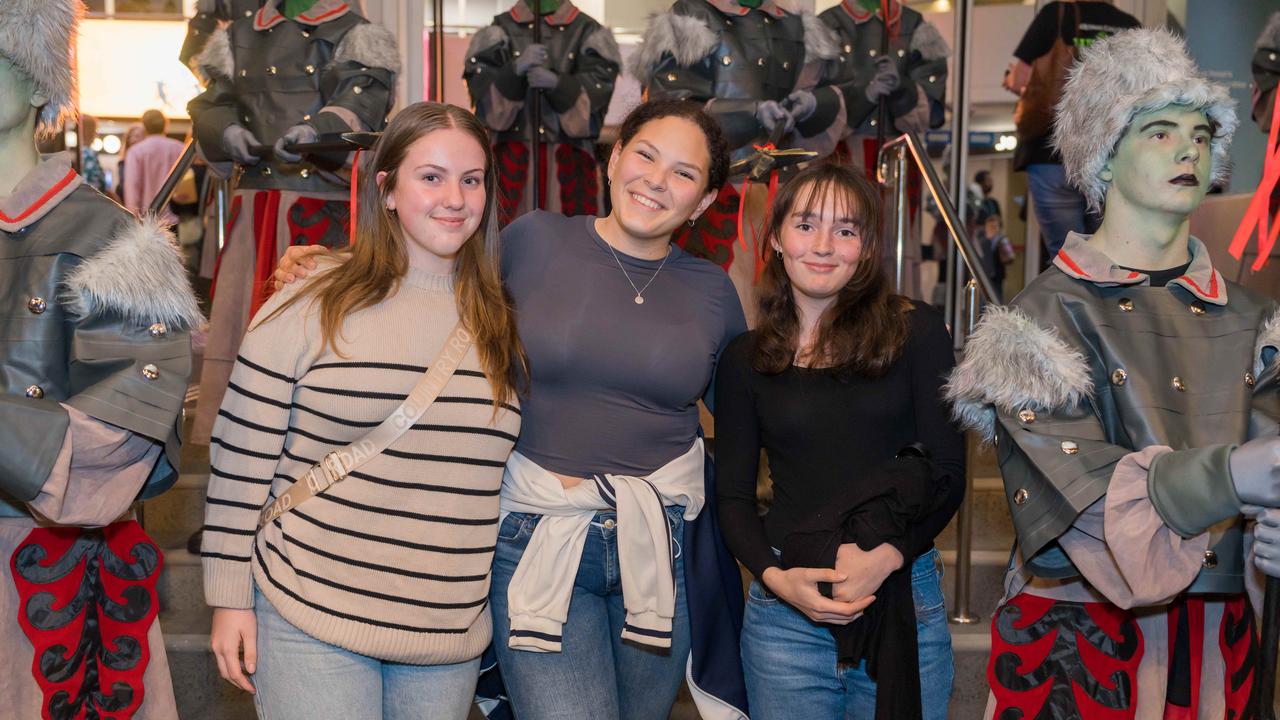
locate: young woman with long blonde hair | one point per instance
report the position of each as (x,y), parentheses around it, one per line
(370,599)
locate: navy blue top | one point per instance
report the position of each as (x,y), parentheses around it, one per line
(614,385)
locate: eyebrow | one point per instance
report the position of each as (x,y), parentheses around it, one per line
(1157,123)
(802,215)
(433,166)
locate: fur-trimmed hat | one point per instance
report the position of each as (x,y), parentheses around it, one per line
(1119,77)
(38,36)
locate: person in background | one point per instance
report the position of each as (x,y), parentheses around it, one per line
(90,168)
(989,205)
(1059,207)
(132,136)
(996,249)
(148,164)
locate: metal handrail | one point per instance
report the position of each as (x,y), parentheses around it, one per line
(909,142)
(180,167)
(899,148)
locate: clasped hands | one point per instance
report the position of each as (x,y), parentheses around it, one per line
(532,66)
(858,574)
(794,108)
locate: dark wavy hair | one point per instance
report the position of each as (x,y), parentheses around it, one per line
(865,329)
(717,146)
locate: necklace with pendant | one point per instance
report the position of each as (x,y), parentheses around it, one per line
(639,291)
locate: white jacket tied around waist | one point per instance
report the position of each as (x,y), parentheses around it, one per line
(538,597)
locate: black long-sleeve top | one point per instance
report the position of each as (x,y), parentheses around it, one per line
(821,430)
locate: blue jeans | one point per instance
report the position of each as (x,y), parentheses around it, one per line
(1060,207)
(301,678)
(596,674)
(791,667)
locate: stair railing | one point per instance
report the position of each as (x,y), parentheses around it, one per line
(892,164)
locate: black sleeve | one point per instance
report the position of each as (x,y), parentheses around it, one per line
(1039,37)
(737,459)
(932,359)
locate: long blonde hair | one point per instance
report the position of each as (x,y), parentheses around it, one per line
(370,270)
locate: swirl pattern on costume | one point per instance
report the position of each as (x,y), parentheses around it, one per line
(87,599)
(1053,660)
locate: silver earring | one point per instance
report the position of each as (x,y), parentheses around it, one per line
(779,252)
(692,221)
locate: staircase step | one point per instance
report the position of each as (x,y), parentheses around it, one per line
(201,693)
(992,526)
(986,580)
(181,590)
(172,517)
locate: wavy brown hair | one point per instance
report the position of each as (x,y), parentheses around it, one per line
(370,270)
(865,329)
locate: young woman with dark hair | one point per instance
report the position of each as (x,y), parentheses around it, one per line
(839,376)
(369,600)
(605,492)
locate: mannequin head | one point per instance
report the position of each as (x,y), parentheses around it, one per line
(20,101)
(1162,164)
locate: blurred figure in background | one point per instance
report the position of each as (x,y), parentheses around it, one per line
(90,168)
(1040,63)
(148,163)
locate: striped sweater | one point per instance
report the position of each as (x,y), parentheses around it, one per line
(392,562)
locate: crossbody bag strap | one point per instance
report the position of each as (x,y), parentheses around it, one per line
(338,464)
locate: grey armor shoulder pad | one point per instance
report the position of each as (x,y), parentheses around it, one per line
(820,42)
(686,39)
(489,37)
(929,42)
(370,45)
(1012,363)
(1268,350)
(601,42)
(138,274)
(215,58)
(1270,37)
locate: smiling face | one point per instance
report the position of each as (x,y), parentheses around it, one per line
(659,179)
(1163,162)
(439,197)
(820,244)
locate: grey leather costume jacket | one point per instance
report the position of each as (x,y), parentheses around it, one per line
(329,68)
(98,316)
(732,58)
(1092,364)
(918,52)
(579,49)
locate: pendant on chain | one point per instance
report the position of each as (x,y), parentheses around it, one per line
(639,300)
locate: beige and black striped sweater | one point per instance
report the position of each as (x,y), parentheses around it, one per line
(392,562)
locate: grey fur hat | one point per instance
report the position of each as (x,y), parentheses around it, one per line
(38,36)
(1122,76)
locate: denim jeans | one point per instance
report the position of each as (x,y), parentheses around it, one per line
(791,667)
(301,678)
(596,674)
(1060,208)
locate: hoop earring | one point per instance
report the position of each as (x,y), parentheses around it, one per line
(779,253)
(692,221)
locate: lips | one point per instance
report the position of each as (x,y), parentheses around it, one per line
(647,202)
(453,222)
(1186,180)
